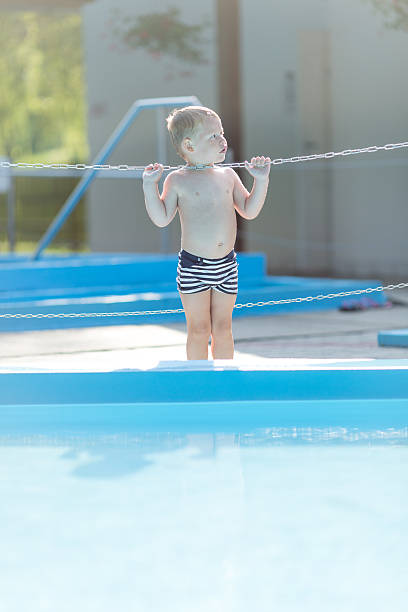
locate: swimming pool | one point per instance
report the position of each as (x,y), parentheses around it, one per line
(291,514)
(205,486)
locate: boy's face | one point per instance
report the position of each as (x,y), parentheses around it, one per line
(207,145)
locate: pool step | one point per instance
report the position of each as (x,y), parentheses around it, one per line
(105,271)
(127,283)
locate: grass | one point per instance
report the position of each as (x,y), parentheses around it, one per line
(27,247)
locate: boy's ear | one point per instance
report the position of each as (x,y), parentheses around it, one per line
(186,144)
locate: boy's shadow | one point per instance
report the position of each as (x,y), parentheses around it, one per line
(117,456)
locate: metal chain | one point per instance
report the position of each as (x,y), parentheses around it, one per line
(125,167)
(311,298)
(274,162)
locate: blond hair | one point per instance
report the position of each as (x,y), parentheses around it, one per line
(183,122)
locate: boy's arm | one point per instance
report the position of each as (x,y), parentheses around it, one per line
(249,205)
(160,208)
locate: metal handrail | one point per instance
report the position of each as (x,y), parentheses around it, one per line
(102,156)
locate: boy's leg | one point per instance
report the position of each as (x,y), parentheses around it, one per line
(197,310)
(222,342)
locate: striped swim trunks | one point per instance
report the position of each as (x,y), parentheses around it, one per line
(195,274)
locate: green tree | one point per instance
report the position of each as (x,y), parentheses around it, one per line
(162,33)
(395,11)
(41,87)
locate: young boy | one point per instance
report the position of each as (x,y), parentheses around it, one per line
(206,197)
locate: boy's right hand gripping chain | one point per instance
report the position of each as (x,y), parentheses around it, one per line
(152,173)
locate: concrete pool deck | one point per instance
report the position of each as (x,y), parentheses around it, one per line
(320,335)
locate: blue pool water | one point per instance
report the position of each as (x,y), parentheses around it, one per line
(285,517)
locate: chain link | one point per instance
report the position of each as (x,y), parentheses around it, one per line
(274,162)
(297,300)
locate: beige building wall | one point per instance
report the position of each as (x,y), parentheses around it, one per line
(317,76)
(320,76)
(369,98)
(287,113)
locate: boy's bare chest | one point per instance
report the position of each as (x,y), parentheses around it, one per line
(206,195)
